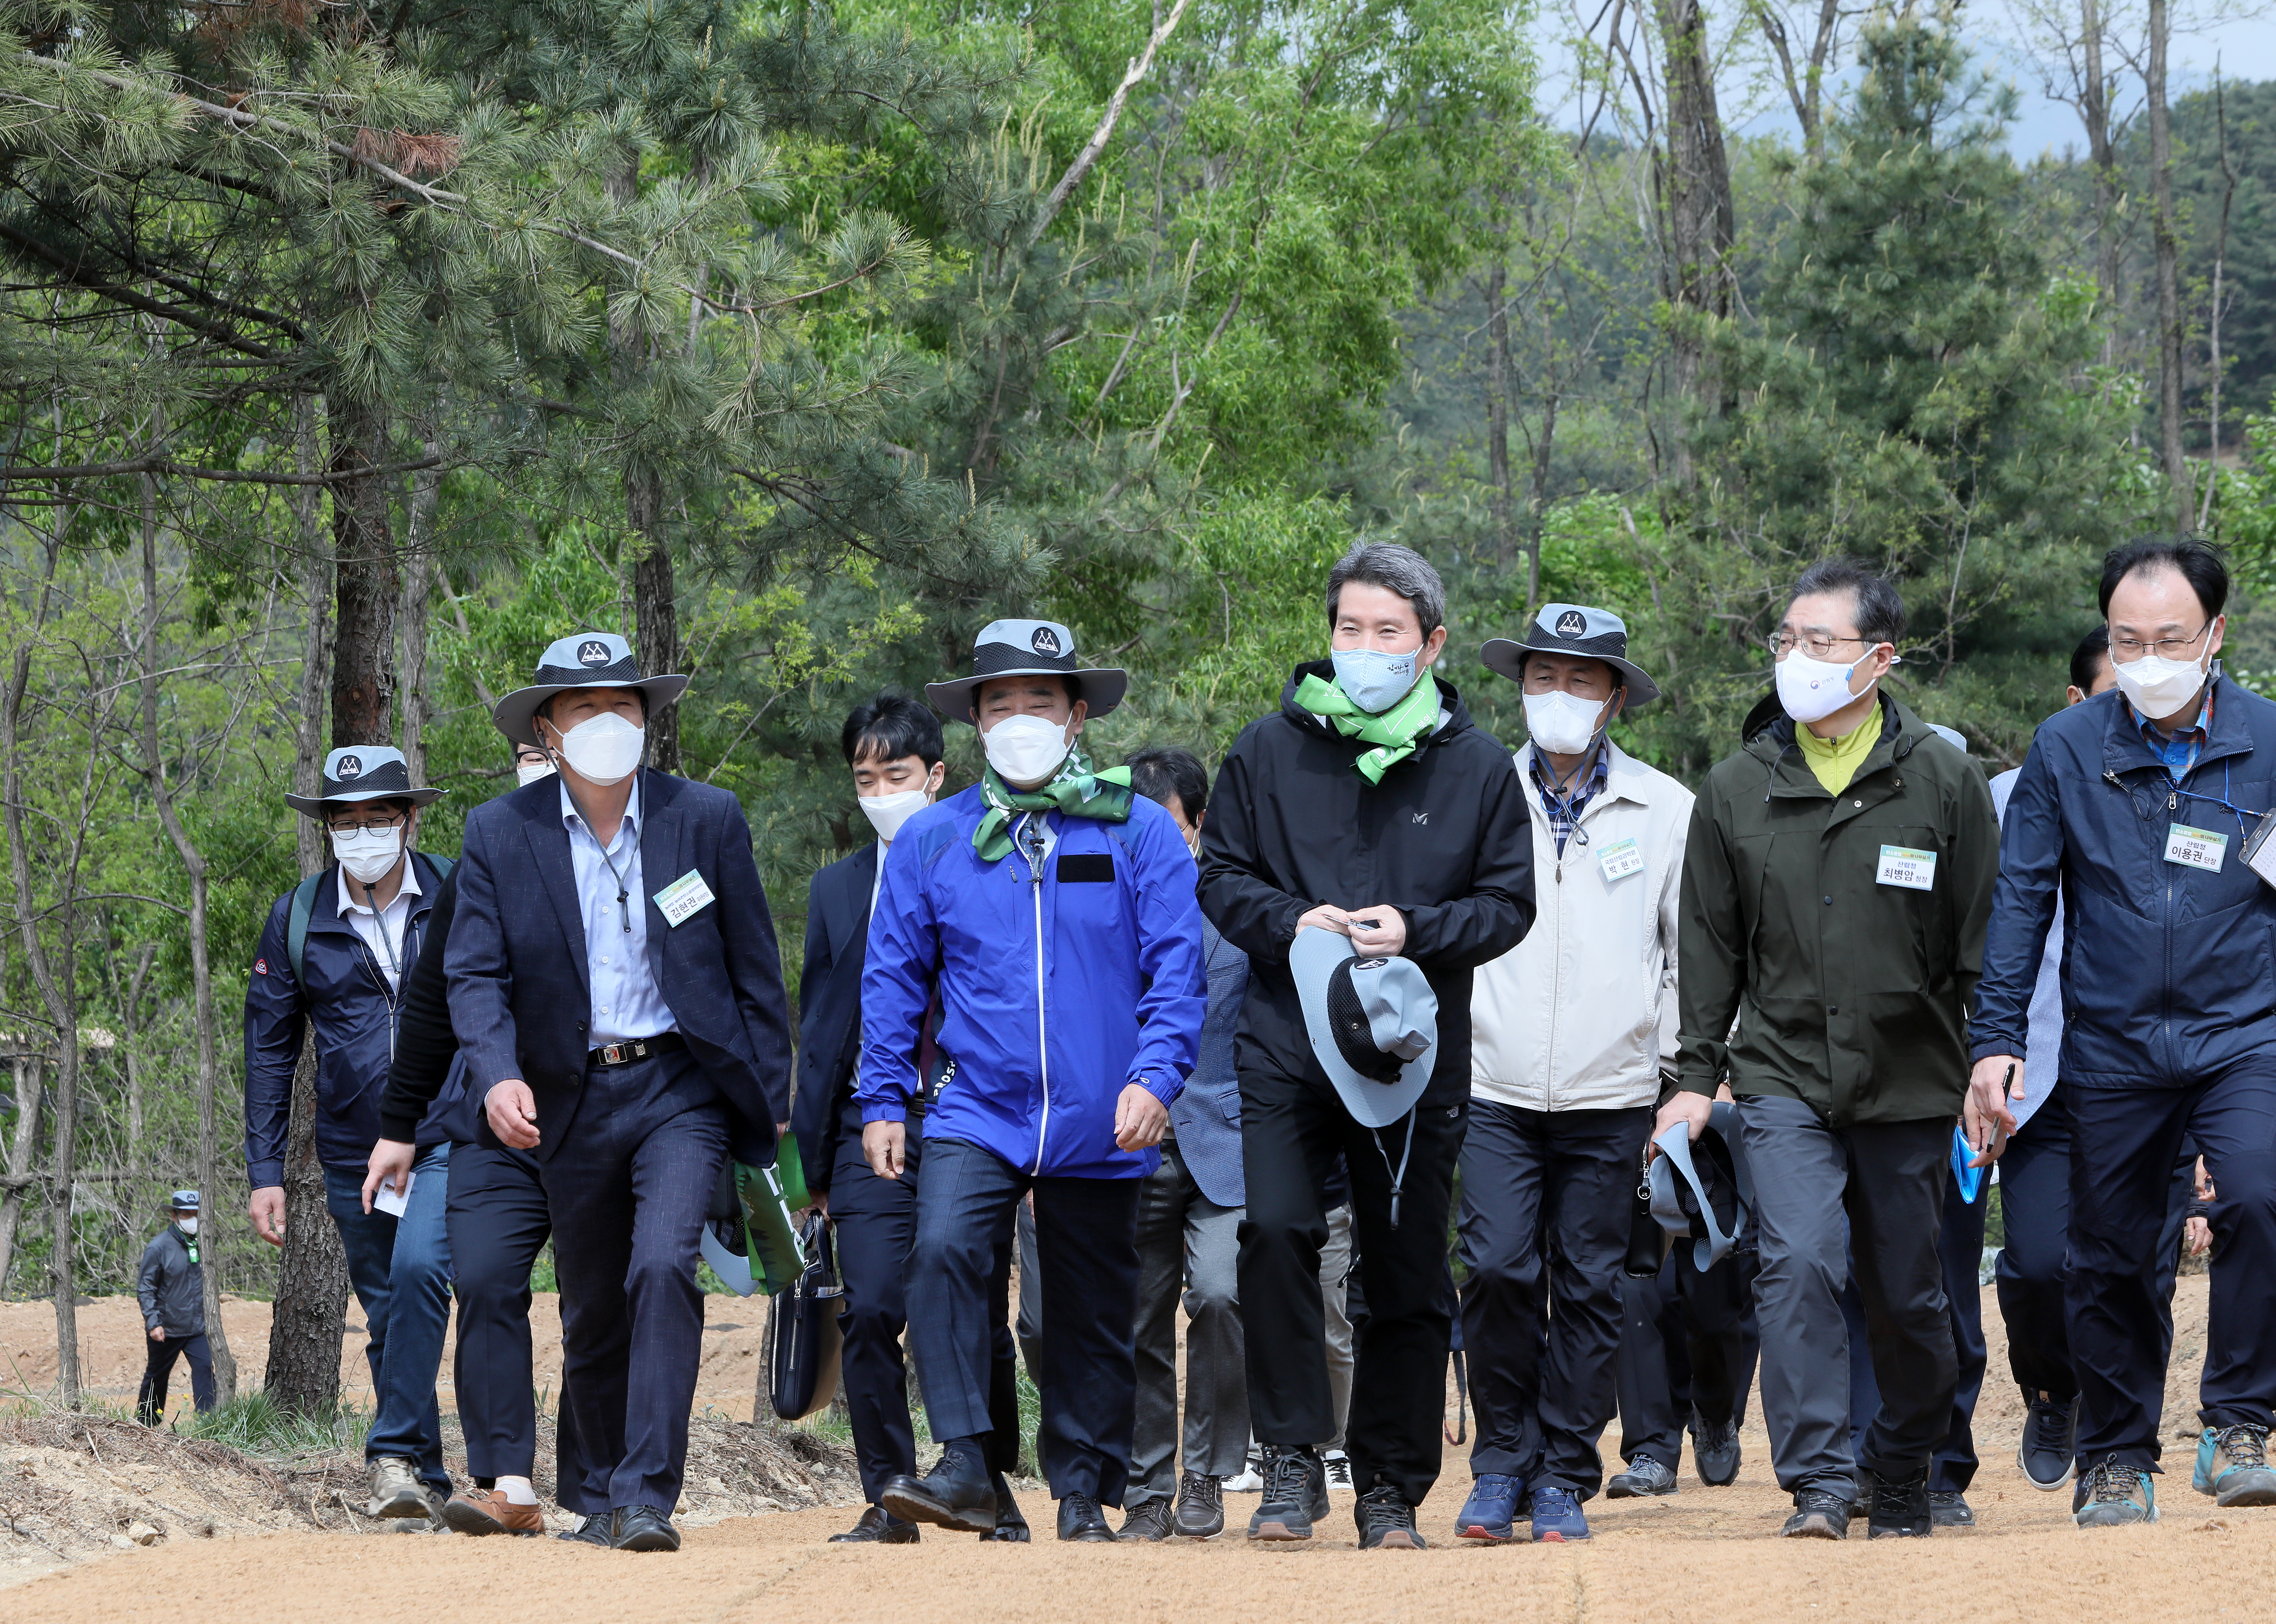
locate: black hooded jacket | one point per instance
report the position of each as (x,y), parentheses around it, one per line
(1445,839)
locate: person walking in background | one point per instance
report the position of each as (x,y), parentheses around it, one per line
(333,957)
(2130,815)
(1837,881)
(1189,1212)
(1570,1031)
(1368,806)
(171,1286)
(1050,913)
(616,989)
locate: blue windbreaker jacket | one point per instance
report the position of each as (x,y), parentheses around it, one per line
(2169,971)
(1054,993)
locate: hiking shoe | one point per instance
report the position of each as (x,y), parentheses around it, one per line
(1645,1478)
(1336,1466)
(2232,1466)
(1818,1514)
(1896,1508)
(488,1511)
(1249,1479)
(1714,1451)
(396,1490)
(1081,1520)
(1149,1522)
(1201,1507)
(1489,1515)
(1386,1521)
(1948,1508)
(1295,1494)
(1557,1518)
(2112,1494)
(2050,1436)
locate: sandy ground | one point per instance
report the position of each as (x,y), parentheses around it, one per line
(1701,1554)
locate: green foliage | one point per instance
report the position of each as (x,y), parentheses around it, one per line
(250,1423)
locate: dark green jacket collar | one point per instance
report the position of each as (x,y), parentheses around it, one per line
(1769,735)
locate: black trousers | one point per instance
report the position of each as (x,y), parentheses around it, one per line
(1547,1197)
(150,1406)
(2126,1145)
(1687,1342)
(627,1188)
(1291,1130)
(874,1221)
(1087,1258)
(498,1223)
(1960,1247)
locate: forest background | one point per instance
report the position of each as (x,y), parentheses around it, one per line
(350,352)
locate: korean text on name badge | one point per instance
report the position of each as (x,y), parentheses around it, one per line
(1908,867)
(1619,859)
(685,896)
(2196,848)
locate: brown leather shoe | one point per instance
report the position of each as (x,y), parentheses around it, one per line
(488,1511)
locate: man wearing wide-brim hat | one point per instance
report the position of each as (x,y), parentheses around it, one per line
(617,995)
(334,957)
(1039,929)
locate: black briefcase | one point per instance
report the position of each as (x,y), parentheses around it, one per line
(804,1341)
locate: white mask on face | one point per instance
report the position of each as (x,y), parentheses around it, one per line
(1560,723)
(187,1225)
(604,750)
(2160,688)
(1812,690)
(887,813)
(1025,749)
(367,854)
(529,772)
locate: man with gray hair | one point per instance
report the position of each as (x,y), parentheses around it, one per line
(1368,805)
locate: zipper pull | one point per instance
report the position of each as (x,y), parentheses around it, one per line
(2173,801)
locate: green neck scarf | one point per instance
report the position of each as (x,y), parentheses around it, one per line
(1074,790)
(1394,734)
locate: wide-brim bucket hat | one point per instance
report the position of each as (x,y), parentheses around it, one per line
(1574,629)
(1027,648)
(587,660)
(1373,1023)
(363,772)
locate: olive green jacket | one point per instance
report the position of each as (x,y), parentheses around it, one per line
(1851,993)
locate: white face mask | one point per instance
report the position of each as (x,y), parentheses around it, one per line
(367,854)
(187,1225)
(605,748)
(529,772)
(887,813)
(1025,749)
(1812,690)
(2160,688)
(1560,723)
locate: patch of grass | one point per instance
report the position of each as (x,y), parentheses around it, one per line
(256,1425)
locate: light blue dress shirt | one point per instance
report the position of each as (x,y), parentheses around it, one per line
(627,1002)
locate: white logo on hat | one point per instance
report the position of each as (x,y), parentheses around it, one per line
(350,767)
(1370,964)
(1571,623)
(1045,642)
(594,653)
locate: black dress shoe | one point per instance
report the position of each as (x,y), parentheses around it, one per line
(593,1530)
(949,1498)
(1149,1522)
(1081,1519)
(1010,1527)
(876,1528)
(641,1528)
(1896,1508)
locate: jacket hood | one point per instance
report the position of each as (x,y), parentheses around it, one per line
(1457,715)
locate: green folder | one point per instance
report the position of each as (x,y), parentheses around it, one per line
(777,1258)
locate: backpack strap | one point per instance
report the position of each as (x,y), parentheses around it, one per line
(296,925)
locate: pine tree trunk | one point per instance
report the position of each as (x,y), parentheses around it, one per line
(656,610)
(2094,111)
(1499,494)
(312,1283)
(1700,220)
(419,569)
(2166,243)
(364,576)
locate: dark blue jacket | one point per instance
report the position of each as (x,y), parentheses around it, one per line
(520,1000)
(829,1006)
(1206,1116)
(2169,972)
(354,1015)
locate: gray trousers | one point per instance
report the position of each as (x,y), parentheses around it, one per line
(1335,1308)
(1888,1179)
(1188,1251)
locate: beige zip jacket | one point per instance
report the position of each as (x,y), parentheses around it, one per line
(1581,1015)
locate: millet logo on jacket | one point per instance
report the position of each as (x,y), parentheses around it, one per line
(1422,817)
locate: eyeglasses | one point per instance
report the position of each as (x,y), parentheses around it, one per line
(1818,645)
(371,823)
(2126,650)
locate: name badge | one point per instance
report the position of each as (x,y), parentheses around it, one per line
(685,896)
(2196,848)
(1905,866)
(1618,860)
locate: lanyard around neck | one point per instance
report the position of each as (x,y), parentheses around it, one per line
(624,904)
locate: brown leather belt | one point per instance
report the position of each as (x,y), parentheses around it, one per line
(635,1049)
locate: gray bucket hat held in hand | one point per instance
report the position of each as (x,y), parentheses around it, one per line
(1025,648)
(1574,629)
(1374,1027)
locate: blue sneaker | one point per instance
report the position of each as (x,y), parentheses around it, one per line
(2112,1494)
(1557,1516)
(2232,1466)
(1489,1515)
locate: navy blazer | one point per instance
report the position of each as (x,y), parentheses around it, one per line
(521,999)
(829,1006)
(1206,1116)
